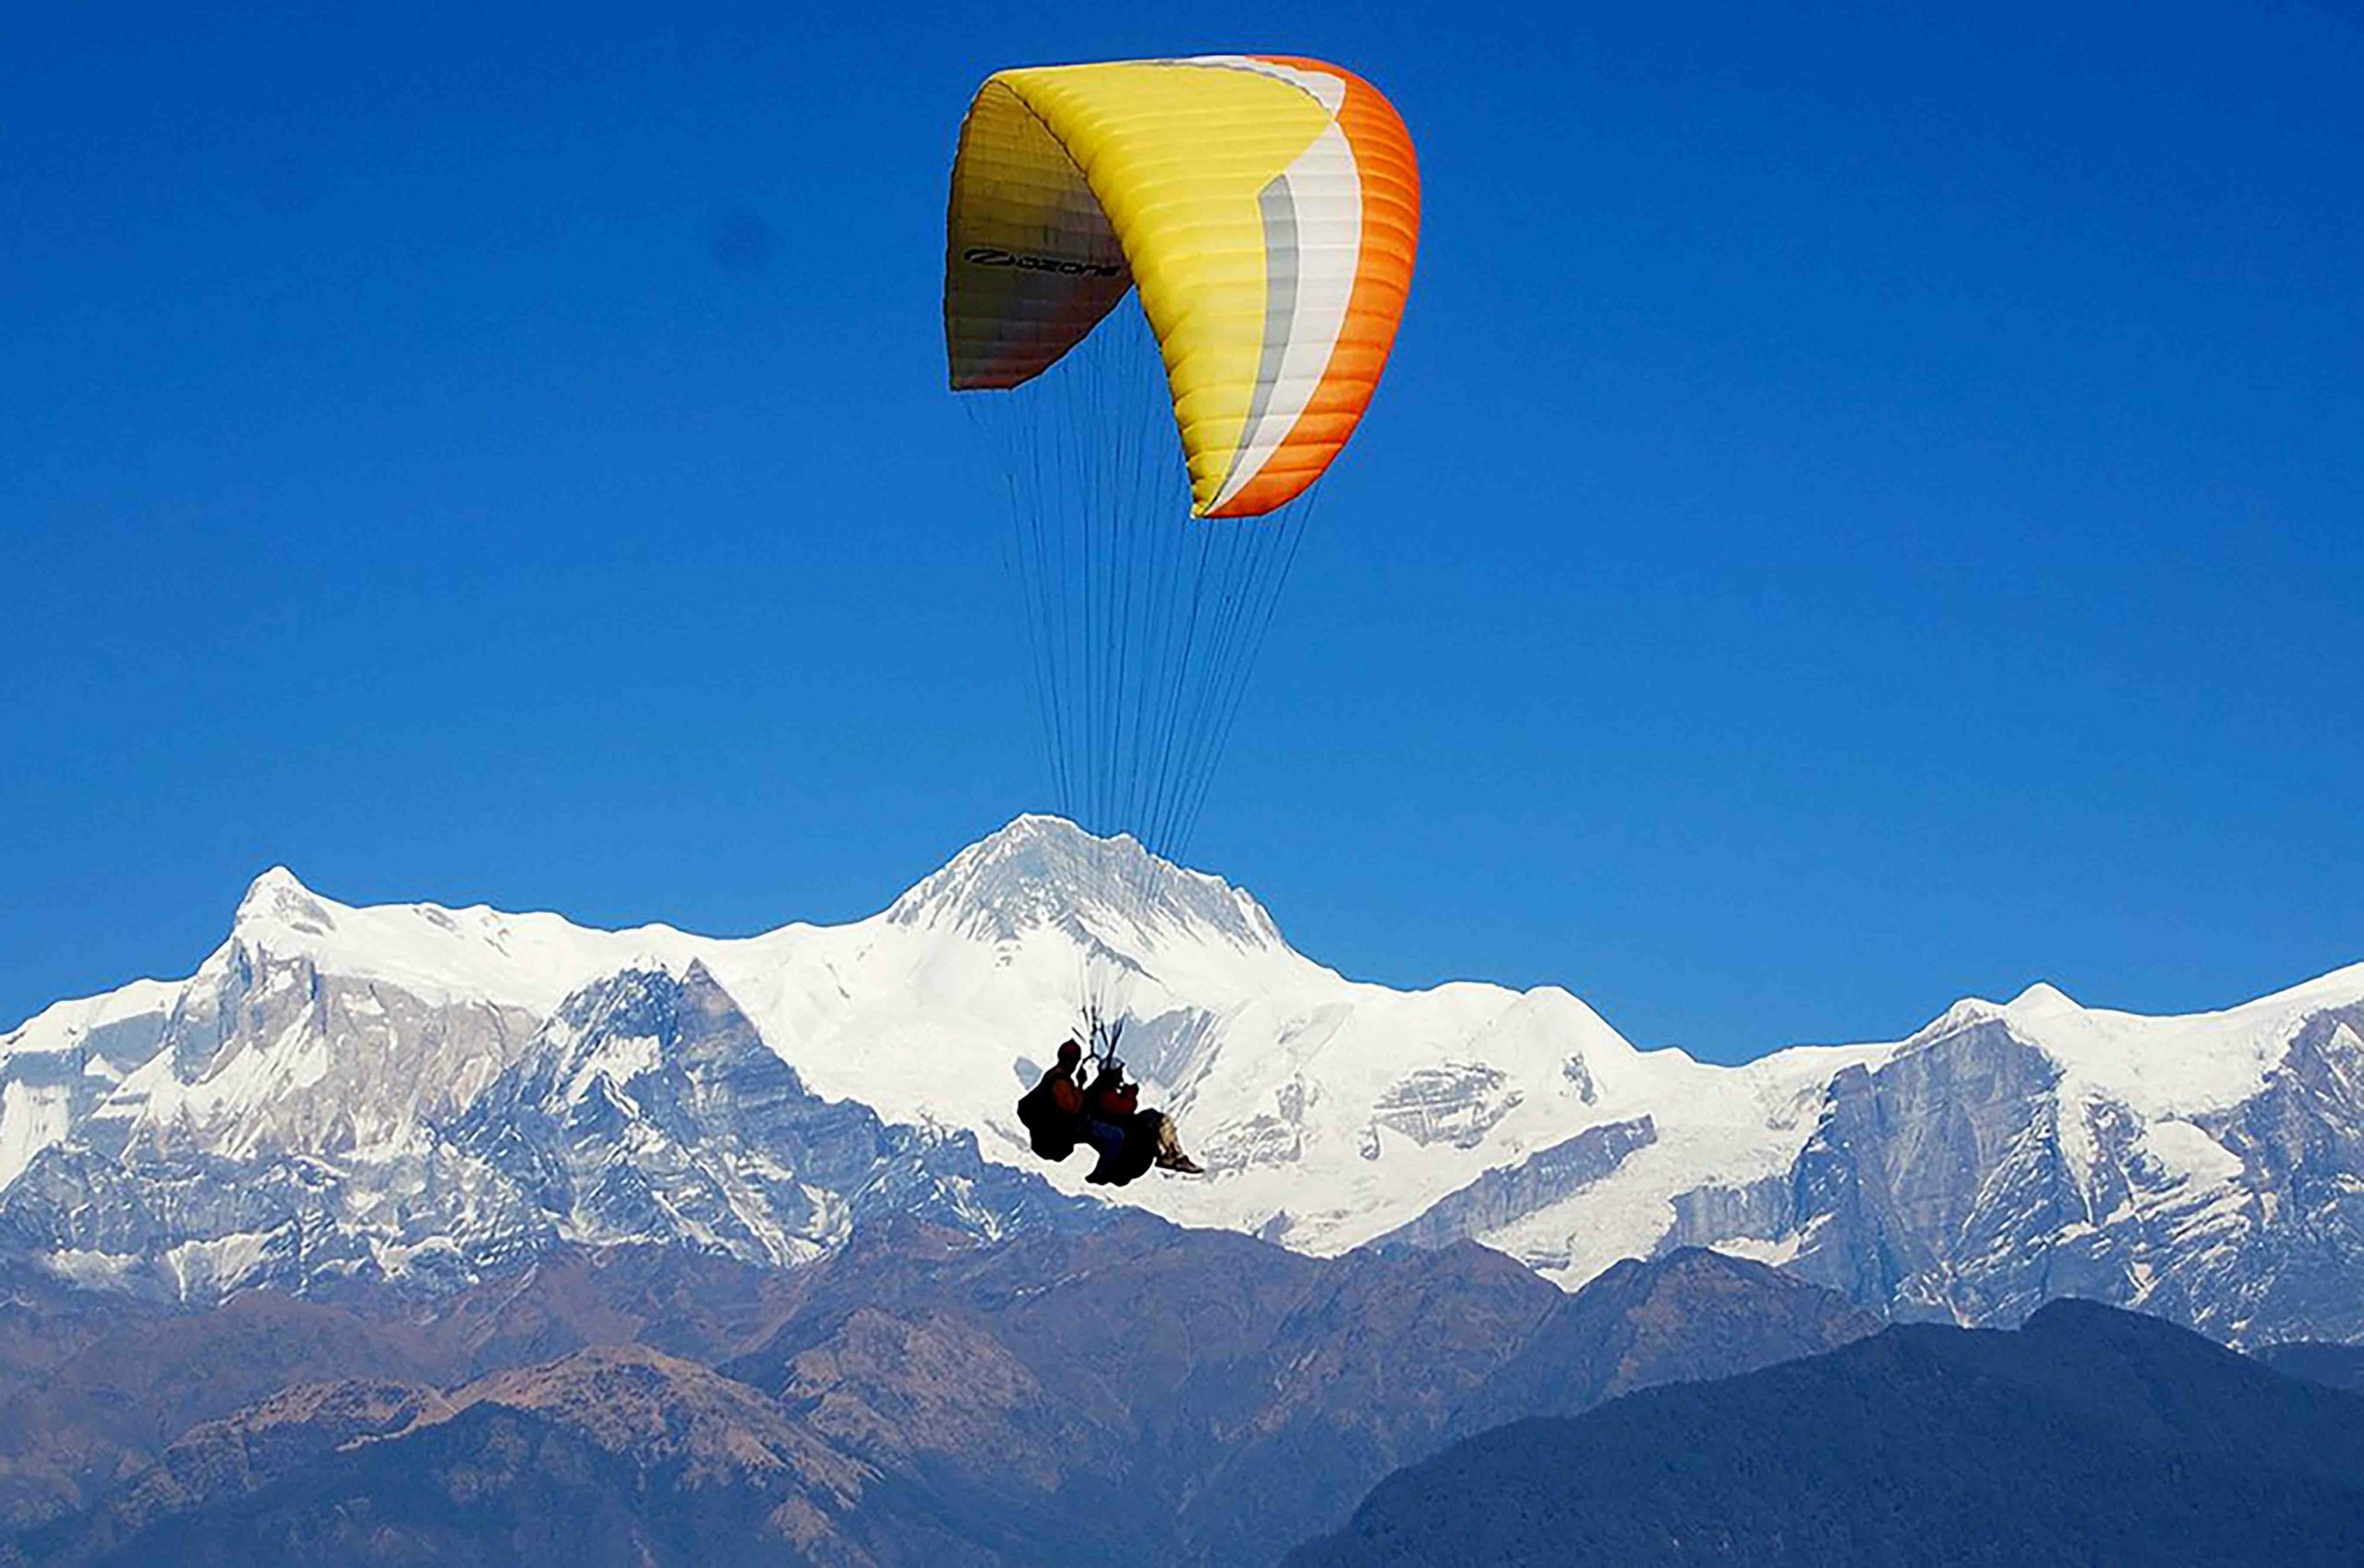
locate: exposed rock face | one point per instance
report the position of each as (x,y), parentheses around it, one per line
(1973,1174)
(1455,1102)
(2282,1254)
(647,1109)
(650,1109)
(1499,1197)
(261,1056)
(1952,1140)
(1960,1181)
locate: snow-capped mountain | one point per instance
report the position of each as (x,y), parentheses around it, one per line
(449,1086)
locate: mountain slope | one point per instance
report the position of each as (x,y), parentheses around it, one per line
(1689,1315)
(2091,1436)
(2333,1365)
(647,1109)
(97,1383)
(609,1457)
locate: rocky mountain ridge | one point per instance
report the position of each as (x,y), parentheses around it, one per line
(646,1109)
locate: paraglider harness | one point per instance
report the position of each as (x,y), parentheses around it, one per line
(1140,1129)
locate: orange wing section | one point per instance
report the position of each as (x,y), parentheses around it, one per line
(1390,176)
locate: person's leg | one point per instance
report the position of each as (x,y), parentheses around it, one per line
(1169,1149)
(1110,1141)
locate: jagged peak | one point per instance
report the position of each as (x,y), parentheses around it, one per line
(1968,1013)
(632,980)
(643,995)
(2034,1004)
(275,879)
(1042,871)
(278,899)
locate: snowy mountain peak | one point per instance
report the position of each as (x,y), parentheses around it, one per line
(2167,1065)
(2036,1015)
(1967,1013)
(442,954)
(1047,872)
(276,902)
(2042,1000)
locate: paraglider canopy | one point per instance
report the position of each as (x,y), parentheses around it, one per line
(1267,208)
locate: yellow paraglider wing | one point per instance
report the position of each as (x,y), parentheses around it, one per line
(1268,209)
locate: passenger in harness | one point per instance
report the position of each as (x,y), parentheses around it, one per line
(1052,1112)
(1129,1139)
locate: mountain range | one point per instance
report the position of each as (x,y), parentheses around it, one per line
(1132,1393)
(419,1099)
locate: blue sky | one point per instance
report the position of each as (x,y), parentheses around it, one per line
(1867,506)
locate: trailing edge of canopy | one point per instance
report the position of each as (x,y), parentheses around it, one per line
(1268,209)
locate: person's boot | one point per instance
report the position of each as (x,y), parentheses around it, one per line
(1180,1162)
